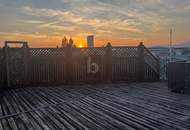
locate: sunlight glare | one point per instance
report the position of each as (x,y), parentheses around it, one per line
(80,46)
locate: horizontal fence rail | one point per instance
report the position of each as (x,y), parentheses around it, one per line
(28,66)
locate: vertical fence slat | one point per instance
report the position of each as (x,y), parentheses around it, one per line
(26,64)
(141,62)
(69,64)
(7,65)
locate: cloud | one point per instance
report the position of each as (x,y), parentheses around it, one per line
(62,16)
(33,22)
(38,39)
(54,25)
(187,7)
(121,19)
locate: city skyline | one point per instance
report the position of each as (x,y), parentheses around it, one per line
(125,22)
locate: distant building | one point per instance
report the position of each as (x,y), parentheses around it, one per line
(90,41)
(64,42)
(71,42)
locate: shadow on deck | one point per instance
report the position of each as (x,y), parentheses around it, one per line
(125,106)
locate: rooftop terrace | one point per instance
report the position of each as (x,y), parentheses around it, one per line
(102,106)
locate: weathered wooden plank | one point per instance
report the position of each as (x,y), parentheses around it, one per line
(34,122)
(25,122)
(1,126)
(5,124)
(143,112)
(121,116)
(106,120)
(60,117)
(39,118)
(12,124)
(1,111)
(52,122)
(102,106)
(71,119)
(80,117)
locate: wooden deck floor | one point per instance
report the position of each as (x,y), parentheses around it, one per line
(126,106)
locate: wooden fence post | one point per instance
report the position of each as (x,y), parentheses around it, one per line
(26,64)
(7,65)
(141,62)
(108,62)
(4,71)
(69,63)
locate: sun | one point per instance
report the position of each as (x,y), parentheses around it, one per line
(80,46)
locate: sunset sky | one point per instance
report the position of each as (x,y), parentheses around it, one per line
(43,23)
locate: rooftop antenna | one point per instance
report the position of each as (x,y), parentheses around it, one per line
(171,42)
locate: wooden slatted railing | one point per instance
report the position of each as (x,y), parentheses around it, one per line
(69,65)
(152,66)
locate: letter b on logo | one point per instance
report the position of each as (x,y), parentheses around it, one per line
(92,68)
